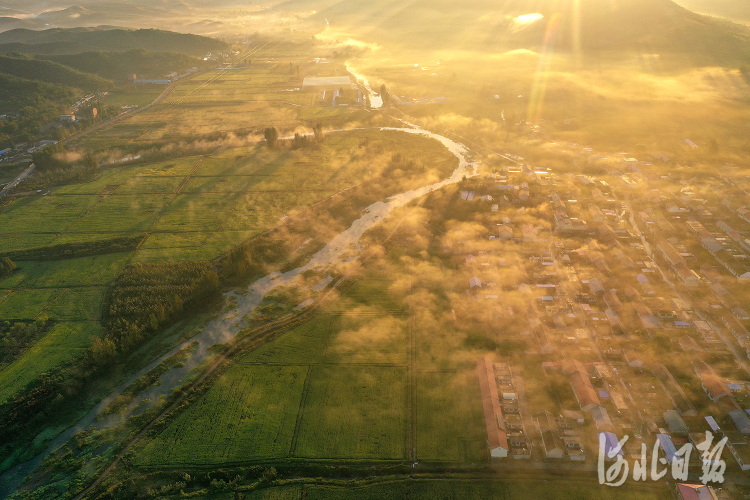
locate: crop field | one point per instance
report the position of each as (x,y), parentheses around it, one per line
(249,414)
(77,304)
(354,412)
(57,347)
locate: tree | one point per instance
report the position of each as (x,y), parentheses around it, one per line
(318,132)
(384,95)
(7,267)
(272,135)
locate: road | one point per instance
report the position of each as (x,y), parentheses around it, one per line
(17,180)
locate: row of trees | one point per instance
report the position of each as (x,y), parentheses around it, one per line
(299,141)
(72,250)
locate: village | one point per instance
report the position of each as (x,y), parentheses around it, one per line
(635,292)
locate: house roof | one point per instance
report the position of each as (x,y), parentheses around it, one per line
(695,492)
(610,443)
(581,383)
(675,422)
(666,444)
(741,420)
(493,413)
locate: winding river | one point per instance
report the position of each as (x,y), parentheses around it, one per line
(227,325)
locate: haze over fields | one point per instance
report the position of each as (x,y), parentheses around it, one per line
(328,249)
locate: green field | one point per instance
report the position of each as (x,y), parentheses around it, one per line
(354,412)
(248,415)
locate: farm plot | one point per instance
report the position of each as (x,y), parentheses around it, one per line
(108,180)
(443,400)
(180,167)
(94,270)
(61,345)
(354,412)
(43,214)
(77,304)
(13,242)
(27,304)
(303,344)
(249,414)
(122,214)
(189,212)
(150,184)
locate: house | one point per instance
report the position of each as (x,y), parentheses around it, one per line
(505,233)
(530,233)
(740,448)
(714,387)
(552,444)
(674,422)
(609,445)
(632,359)
(584,391)
(475,282)
(68,118)
(597,288)
(744,214)
(710,274)
(669,253)
(667,446)
(596,213)
(686,275)
(695,492)
(741,421)
(497,439)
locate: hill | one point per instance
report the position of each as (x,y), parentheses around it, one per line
(50,72)
(75,40)
(734,10)
(588,26)
(116,65)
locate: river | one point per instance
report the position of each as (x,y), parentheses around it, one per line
(227,325)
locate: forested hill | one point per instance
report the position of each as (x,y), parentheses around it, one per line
(76,40)
(27,67)
(115,65)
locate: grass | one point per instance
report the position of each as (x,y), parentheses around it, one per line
(248,415)
(373,428)
(60,345)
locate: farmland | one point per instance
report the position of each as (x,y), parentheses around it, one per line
(250,413)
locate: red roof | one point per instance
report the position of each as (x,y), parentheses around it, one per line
(493,412)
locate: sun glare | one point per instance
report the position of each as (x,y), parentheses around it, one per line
(527,19)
